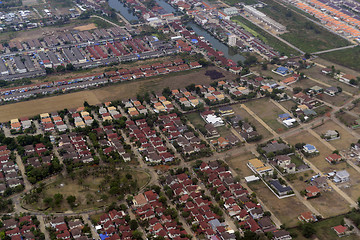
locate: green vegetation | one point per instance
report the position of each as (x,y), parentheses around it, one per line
(101,23)
(264,36)
(303,33)
(62,3)
(348,57)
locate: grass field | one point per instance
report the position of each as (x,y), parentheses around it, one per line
(109,93)
(347,57)
(287,209)
(288,104)
(195,119)
(268,112)
(324,231)
(306,83)
(345,137)
(264,36)
(246,116)
(303,33)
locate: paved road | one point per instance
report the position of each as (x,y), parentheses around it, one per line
(259,120)
(335,49)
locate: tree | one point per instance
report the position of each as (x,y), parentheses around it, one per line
(71,200)
(133,224)
(58,198)
(137,234)
(308,230)
(307,55)
(48,200)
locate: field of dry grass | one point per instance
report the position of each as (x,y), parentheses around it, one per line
(120,91)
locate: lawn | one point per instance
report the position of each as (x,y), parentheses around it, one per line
(264,36)
(287,209)
(347,57)
(247,117)
(195,119)
(345,137)
(324,231)
(303,33)
(268,112)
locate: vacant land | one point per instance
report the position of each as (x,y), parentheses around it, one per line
(247,117)
(347,57)
(345,137)
(195,119)
(238,164)
(288,104)
(268,112)
(307,83)
(346,118)
(352,188)
(303,33)
(86,27)
(342,68)
(328,199)
(119,91)
(287,209)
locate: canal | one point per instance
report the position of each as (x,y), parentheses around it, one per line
(123,10)
(215,43)
(167,7)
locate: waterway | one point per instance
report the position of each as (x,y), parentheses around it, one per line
(215,43)
(124,11)
(167,7)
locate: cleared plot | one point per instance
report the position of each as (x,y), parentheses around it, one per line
(338,100)
(246,116)
(306,83)
(287,209)
(238,164)
(345,137)
(328,199)
(288,104)
(268,112)
(346,118)
(86,27)
(345,68)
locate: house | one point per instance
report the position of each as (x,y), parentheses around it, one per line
(307,217)
(282,160)
(281,235)
(346,78)
(308,148)
(274,147)
(341,176)
(258,167)
(226,110)
(326,71)
(340,230)
(320,182)
(289,80)
(139,200)
(312,191)
(283,71)
(331,91)
(333,158)
(280,189)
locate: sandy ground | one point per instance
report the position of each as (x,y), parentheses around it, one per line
(86,27)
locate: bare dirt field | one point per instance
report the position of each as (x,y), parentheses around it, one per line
(238,164)
(306,83)
(246,116)
(345,137)
(339,67)
(352,188)
(287,209)
(86,27)
(114,92)
(268,112)
(288,104)
(328,199)
(338,100)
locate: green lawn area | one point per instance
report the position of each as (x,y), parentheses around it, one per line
(296,159)
(303,33)
(264,36)
(348,57)
(324,231)
(195,119)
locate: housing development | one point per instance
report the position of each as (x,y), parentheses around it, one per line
(171,119)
